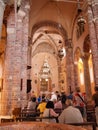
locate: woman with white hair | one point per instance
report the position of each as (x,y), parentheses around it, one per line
(70,114)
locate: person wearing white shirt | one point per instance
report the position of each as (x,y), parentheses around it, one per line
(54,96)
(70,114)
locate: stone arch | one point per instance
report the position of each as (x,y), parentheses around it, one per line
(39,49)
(50,42)
(58,29)
(53,24)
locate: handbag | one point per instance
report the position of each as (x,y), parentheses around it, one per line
(79,107)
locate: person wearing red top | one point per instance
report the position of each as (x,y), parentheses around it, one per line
(79,101)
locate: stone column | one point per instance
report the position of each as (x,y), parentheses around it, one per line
(95,16)
(15,69)
(59,73)
(12,68)
(9,83)
(85,58)
(93,41)
(29,56)
(2,8)
(24,60)
(23,18)
(70,67)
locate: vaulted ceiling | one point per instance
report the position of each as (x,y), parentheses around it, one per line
(50,21)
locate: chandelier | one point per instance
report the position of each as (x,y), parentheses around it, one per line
(60,53)
(81,20)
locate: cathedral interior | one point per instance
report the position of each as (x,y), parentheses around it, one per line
(47,46)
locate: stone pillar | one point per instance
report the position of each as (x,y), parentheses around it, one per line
(24,60)
(93,41)
(85,58)
(29,56)
(10,85)
(70,67)
(59,71)
(2,8)
(12,68)
(15,69)
(95,16)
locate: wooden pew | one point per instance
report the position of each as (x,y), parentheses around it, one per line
(29,112)
(37,118)
(5,120)
(90,110)
(93,124)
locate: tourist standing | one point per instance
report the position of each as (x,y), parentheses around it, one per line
(79,101)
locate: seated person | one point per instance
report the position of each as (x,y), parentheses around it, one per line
(70,114)
(32,104)
(58,103)
(49,112)
(42,106)
(63,100)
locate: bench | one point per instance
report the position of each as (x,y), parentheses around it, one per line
(5,120)
(93,124)
(90,110)
(29,112)
(37,118)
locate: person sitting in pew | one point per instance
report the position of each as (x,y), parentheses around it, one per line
(42,106)
(32,106)
(49,112)
(70,114)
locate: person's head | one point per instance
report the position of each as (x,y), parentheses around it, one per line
(43,98)
(77,89)
(33,99)
(96,88)
(54,100)
(56,92)
(69,102)
(63,99)
(50,104)
(58,97)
